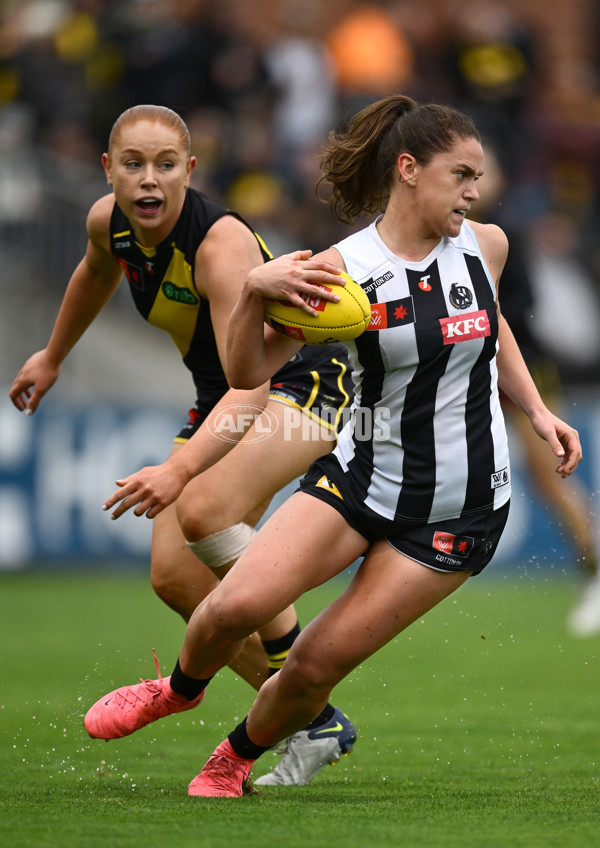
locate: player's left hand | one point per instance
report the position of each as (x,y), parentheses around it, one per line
(149,490)
(564,441)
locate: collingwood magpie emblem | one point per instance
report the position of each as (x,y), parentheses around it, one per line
(460,296)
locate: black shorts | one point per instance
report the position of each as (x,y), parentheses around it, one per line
(316,380)
(457,544)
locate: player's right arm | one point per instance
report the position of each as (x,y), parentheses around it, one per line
(91,286)
(254,351)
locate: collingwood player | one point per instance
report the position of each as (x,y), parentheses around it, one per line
(426,505)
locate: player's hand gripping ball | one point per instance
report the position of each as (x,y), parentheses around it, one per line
(334,322)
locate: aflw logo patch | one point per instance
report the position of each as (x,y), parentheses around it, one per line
(473,325)
(133,273)
(453,545)
(391,314)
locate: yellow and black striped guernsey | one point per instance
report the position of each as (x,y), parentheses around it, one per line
(161,280)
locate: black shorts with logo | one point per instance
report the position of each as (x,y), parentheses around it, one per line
(316,380)
(457,544)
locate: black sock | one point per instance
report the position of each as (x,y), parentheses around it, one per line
(278,649)
(324,716)
(243,745)
(189,687)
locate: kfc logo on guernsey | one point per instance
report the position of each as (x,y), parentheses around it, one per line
(473,325)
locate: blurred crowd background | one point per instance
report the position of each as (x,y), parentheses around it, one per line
(260,83)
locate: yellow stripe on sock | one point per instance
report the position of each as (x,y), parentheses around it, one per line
(277,660)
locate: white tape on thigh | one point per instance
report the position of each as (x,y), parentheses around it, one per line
(224,546)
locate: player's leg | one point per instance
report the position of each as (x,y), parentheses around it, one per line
(176,575)
(249,475)
(261,584)
(266,466)
(253,471)
(252,594)
(182,582)
(307,400)
(388,592)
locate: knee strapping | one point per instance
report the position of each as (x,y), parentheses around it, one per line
(224,546)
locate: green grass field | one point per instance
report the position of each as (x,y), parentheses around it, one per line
(477,727)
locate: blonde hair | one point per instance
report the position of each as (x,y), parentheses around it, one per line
(359,160)
(156,114)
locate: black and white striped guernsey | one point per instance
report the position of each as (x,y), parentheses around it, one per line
(426,439)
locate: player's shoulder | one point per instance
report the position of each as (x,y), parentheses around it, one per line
(489,236)
(98,219)
(226,238)
(493,244)
(333,256)
(226,225)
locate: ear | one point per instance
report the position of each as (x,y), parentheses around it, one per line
(191,164)
(407,167)
(106,164)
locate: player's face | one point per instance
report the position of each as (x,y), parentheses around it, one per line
(446,187)
(149,170)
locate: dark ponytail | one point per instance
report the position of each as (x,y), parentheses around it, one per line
(360,159)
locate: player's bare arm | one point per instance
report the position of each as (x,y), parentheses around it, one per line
(515,380)
(91,286)
(254,351)
(513,375)
(223,260)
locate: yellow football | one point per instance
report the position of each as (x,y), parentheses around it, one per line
(334,322)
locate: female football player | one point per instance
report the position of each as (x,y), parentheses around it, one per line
(425,505)
(185,259)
